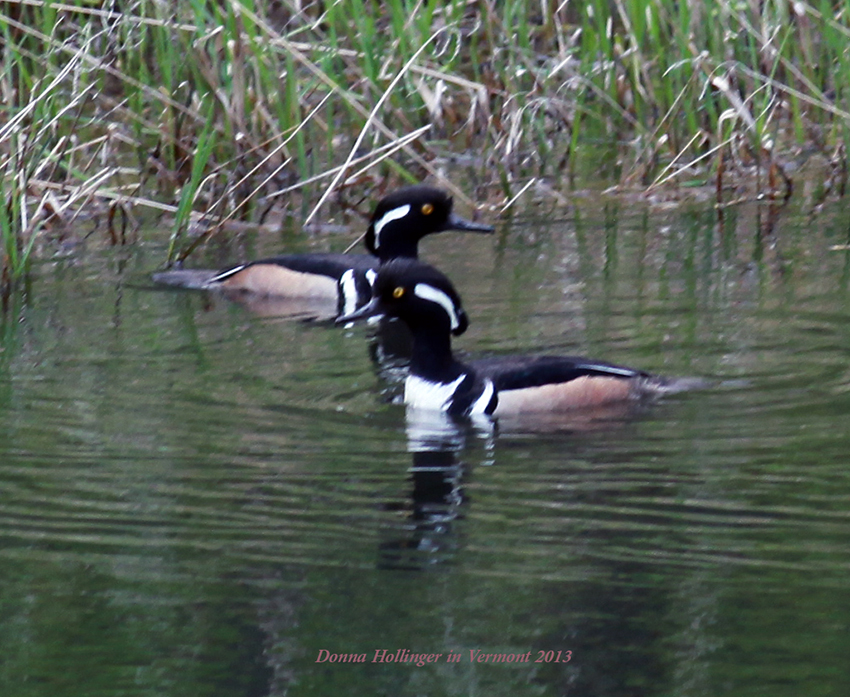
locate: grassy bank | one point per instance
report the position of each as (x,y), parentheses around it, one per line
(253,113)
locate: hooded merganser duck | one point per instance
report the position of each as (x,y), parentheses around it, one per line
(400,220)
(428,303)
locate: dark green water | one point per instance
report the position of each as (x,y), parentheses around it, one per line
(197,501)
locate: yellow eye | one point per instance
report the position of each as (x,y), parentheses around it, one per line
(398,292)
(427,208)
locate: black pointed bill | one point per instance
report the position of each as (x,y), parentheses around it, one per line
(455,222)
(371,309)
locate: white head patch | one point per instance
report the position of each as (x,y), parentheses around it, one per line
(426,292)
(388,217)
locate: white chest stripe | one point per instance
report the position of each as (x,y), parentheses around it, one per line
(424,394)
(481,403)
(371,275)
(348,286)
(388,217)
(426,292)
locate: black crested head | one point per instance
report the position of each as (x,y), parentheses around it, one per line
(419,295)
(407,215)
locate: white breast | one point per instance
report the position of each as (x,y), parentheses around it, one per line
(424,394)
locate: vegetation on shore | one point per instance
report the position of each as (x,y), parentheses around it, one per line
(218,112)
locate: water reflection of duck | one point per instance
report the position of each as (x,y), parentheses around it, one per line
(427,535)
(342,281)
(425,300)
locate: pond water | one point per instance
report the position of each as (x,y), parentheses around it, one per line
(196,499)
